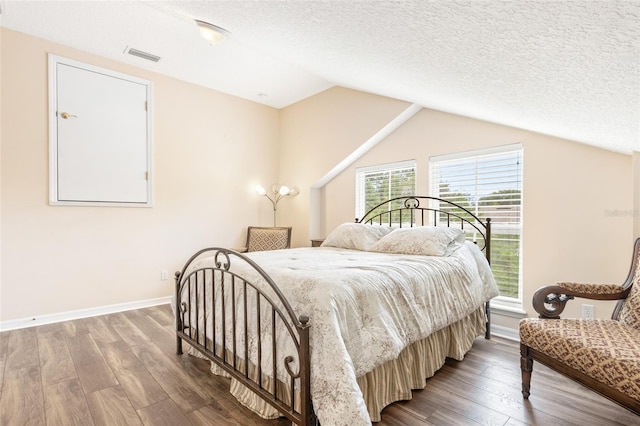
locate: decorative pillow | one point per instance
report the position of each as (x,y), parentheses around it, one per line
(422,240)
(355,236)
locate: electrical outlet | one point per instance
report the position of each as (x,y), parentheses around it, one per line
(164,275)
(588,311)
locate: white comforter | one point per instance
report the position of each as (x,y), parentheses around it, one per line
(366,307)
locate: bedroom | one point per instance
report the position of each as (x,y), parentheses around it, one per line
(90,258)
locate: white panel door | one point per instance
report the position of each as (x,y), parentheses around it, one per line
(102,140)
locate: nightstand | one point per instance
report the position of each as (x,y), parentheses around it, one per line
(316,243)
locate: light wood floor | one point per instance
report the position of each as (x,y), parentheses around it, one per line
(121,369)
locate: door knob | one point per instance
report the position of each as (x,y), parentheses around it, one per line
(66,115)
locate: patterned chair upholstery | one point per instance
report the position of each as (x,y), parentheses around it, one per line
(267,238)
(602,354)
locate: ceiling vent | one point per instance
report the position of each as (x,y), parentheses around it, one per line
(141,54)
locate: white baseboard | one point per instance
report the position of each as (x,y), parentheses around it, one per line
(81,313)
(505,332)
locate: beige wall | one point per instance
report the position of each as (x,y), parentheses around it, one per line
(569,188)
(636,194)
(316,134)
(206,162)
(1,126)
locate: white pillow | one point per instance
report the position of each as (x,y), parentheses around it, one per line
(355,236)
(422,240)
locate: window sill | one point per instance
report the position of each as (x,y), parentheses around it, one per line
(507,311)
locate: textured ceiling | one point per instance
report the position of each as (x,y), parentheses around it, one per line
(564,68)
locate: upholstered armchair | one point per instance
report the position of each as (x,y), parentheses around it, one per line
(267,238)
(602,354)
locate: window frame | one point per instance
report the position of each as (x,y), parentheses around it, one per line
(509,303)
(362,172)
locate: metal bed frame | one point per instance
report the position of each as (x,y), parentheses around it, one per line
(295,403)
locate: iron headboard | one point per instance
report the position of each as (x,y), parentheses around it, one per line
(419,210)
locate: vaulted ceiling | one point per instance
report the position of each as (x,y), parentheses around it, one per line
(565,68)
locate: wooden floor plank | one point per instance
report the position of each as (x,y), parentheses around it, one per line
(455,406)
(404,416)
(163,413)
(162,314)
(223,403)
(65,404)
(127,331)
(22,348)
(110,406)
(101,330)
(22,400)
(602,410)
(450,418)
(91,367)
(211,415)
(514,422)
(55,359)
(4,344)
(136,381)
(157,333)
(188,394)
(497,398)
(75,328)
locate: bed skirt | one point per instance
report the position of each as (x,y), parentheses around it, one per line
(395,379)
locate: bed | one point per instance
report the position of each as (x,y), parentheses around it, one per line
(335,333)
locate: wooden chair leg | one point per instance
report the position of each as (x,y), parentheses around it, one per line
(526,365)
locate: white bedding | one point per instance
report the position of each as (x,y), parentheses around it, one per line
(362,316)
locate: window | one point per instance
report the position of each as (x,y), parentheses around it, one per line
(489,184)
(375,184)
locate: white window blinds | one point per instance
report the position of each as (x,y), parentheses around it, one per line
(375,184)
(489,184)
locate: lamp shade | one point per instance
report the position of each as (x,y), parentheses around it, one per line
(260,190)
(284,190)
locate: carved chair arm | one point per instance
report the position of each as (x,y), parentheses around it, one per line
(608,291)
(549,301)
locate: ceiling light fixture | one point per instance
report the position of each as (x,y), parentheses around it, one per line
(212,33)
